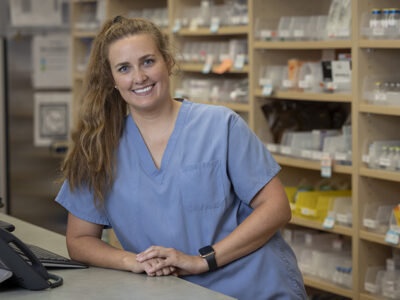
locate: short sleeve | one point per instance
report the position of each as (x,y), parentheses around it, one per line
(80,204)
(250,165)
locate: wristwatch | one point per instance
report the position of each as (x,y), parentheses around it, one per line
(208,253)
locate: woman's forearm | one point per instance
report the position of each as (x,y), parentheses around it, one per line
(93,251)
(271,212)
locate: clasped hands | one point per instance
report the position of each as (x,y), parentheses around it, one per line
(161,261)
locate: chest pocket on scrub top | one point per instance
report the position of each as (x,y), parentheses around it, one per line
(201,186)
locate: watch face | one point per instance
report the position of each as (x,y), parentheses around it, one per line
(205,250)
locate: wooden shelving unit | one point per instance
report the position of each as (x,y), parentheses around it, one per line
(326,286)
(318,226)
(380,174)
(376,238)
(309,164)
(369,122)
(320,97)
(383,110)
(198,68)
(299,45)
(236,30)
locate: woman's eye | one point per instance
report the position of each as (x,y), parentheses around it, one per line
(123,69)
(148,62)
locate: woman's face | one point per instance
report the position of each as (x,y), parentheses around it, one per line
(140,72)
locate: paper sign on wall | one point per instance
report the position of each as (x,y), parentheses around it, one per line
(52,61)
(52,117)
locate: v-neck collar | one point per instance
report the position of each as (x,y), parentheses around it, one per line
(144,153)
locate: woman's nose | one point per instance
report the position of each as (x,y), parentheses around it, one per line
(139,76)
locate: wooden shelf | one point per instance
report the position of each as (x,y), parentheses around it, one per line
(84,34)
(390,44)
(376,238)
(309,164)
(317,225)
(198,67)
(321,97)
(380,174)
(379,109)
(84,1)
(205,31)
(299,45)
(365,296)
(322,284)
(241,107)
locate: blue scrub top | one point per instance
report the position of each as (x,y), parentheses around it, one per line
(211,169)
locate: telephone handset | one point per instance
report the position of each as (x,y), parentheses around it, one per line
(33,275)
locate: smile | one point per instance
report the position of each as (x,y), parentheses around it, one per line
(144,91)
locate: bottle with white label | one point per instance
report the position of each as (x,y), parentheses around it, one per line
(397,159)
(393,19)
(386,14)
(377,92)
(391,159)
(373,161)
(384,158)
(376,18)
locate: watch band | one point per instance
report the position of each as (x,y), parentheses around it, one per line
(208,253)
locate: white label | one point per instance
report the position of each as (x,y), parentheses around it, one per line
(177,26)
(214,27)
(317,155)
(298,33)
(272,148)
(343,218)
(265,34)
(395,228)
(384,162)
(265,81)
(365,158)
(307,212)
(331,85)
(303,84)
(235,20)
(340,156)
(378,31)
(329,223)
(239,61)
(267,90)
(245,19)
(373,24)
(287,83)
(369,223)
(380,97)
(326,167)
(341,72)
(372,288)
(286,150)
(284,33)
(208,64)
(392,237)
(306,153)
(194,25)
(343,32)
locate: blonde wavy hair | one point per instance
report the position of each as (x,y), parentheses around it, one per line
(90,161)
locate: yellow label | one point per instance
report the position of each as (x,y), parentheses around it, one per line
(396,212)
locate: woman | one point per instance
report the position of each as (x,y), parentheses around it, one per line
(172,178)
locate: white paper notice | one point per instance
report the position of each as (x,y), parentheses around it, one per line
(52,117)
(52,61)
(36,12)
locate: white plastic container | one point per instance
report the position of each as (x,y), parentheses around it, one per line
(376,217)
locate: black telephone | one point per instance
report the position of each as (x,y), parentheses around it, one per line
(33,275)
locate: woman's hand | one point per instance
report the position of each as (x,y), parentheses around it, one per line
(168,257)
(150,266)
